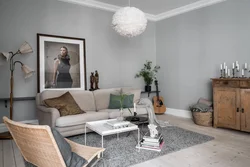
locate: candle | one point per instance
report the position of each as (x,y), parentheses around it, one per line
(224,65)
(134,107)
(233,65)
(228,72)
(221,66)
(245,65)
(242,72)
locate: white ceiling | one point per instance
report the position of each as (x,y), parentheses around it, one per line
(155,10)
(154,7)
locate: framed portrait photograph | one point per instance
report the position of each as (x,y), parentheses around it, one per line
(61,63)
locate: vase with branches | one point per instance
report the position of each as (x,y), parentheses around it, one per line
(120,98)
(148,74)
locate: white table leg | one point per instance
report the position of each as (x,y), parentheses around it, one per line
(85,135)
(139,138)
(102,145)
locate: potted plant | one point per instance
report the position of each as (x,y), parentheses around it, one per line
(149,74)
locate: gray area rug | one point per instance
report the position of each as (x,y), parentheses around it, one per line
(122,152)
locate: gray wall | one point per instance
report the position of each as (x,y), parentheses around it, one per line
(116,58)
(191,46)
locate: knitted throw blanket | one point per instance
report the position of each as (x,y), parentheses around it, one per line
(151,114)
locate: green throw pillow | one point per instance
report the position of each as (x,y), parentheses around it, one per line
(114,101)
(128,101)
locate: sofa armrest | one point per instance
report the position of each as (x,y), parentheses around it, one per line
(47,116)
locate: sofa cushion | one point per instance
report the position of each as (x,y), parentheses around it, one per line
(135,92)
(65,104)
(84,99)
(72,120)
(47,94)
(102,97)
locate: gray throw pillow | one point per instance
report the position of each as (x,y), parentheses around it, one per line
(77,161)
(70,158)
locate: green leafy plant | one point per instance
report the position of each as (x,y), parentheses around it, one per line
(148,73)
(121,98)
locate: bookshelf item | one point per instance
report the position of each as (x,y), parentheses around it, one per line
(231,98)
(151,143)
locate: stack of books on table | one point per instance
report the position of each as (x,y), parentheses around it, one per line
(115,124)
(152,143)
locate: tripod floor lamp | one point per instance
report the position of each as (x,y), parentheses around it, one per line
(24,49)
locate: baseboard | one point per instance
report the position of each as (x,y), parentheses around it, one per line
(179,113)
(3,128)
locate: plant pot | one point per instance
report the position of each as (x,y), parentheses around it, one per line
(147,88)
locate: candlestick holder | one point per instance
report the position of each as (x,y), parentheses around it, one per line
(245,71)
(233,73)
(225,73)
(221,73)
(237,71)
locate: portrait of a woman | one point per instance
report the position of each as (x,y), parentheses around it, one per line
(61,74)
(61,63)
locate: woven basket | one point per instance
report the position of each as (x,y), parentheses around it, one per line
(203,118)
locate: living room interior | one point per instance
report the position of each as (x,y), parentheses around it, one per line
(200,46)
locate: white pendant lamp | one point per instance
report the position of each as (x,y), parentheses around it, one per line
(129,21)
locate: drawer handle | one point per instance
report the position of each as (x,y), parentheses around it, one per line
(237,109)
(225,82)
(242,110)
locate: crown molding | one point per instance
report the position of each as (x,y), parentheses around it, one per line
(151,17)
(187,8)
(94,4)
(103,6)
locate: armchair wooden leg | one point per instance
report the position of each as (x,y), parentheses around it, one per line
(99,159)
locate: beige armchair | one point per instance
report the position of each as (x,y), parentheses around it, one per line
(38,146)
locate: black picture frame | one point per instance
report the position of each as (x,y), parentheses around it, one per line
(55,68)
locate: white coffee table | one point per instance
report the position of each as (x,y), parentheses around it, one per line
(102,129)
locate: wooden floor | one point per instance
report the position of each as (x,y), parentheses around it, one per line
(229,149)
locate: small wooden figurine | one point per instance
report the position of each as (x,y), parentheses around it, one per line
(96,79)
(92,81)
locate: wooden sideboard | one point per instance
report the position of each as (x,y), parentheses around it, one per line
(231,97)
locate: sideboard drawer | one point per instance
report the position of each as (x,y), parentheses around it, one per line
(226,83)
(245,84)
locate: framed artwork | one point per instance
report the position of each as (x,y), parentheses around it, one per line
(61,63)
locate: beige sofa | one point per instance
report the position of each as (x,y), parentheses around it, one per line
(94,103)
